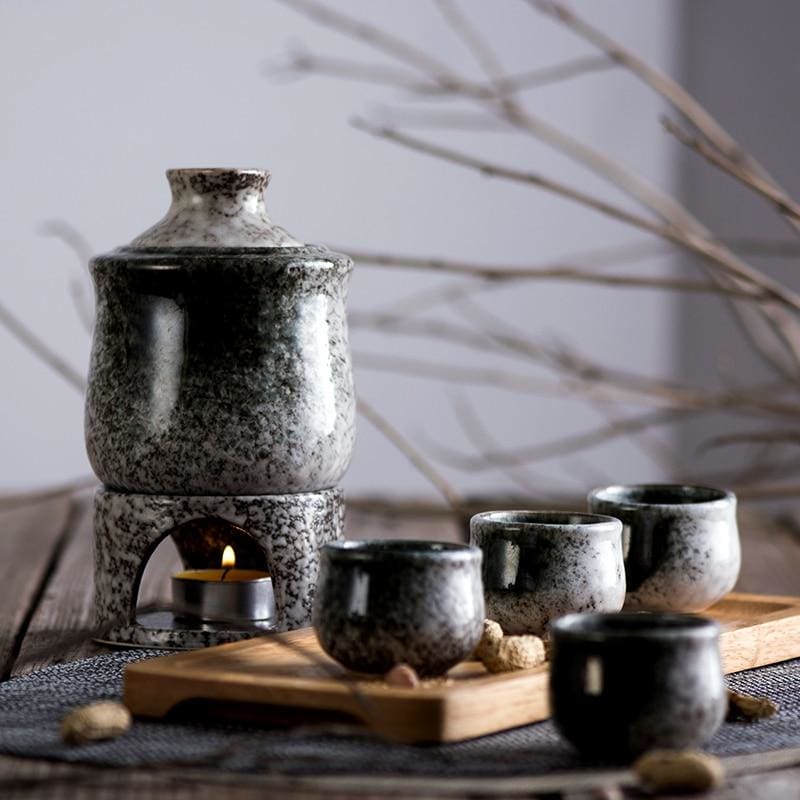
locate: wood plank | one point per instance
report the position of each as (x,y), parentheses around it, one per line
(770,554)
(775,637)
(767,776)
(30,541)
(376,525)
(61,628)
(290,670)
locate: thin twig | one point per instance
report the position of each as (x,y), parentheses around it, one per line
(41,349)
(300,63)
(560,272)
(451,373)
(664,85)
(546,76)
(377,38)
(646,440)
(569,361)
(433,119)
(713,251)
(411,452)
(474,41)
(482,441)
(781,436)
(75,240)
(763,325)
(586,376)
(518,456)
(752,181)
(758,320)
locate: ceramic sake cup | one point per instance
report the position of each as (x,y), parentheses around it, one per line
(539,565)
(622,684)
(680,543)
(380,603)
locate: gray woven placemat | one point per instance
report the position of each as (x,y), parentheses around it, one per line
(32,706)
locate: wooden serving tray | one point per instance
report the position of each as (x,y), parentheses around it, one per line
(290,671)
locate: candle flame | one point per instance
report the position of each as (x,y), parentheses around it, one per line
(228,557)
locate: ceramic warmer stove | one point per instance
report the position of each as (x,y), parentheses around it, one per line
(220,408)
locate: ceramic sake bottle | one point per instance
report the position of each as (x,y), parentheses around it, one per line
(220,363)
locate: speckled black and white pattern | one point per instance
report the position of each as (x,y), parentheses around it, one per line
(216,208)
(221,373)
(539,565)
(220,369)
(382,603)
(622,685)
(680,543)
(290,528)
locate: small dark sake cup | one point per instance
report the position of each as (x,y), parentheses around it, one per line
(384,602)
(539,565)
(622,684)
(680,543)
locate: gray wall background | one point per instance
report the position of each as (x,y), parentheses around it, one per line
(99,98)
(740,60)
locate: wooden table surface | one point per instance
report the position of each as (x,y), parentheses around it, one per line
(46,601)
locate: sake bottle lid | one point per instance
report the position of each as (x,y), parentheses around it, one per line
(216,208)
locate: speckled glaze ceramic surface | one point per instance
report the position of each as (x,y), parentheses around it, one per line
(622,684)
(220,361)
(289,530)
(680,543)
(539,565)
(216,208)
(381,603)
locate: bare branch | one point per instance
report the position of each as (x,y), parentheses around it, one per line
(545,76)
(781,436)
(473,39)
(582,376)
(76,241)
(491,272)
(666,87)
(491,170)
(645,440)
(481,440)
(563,446)
(568,361)
(411,452)
(441,79)
(377,38)
(451,373)
(772,331)
(765,188)
(713,251)
(654,78)
(299,63)
(443,120)
(41,349)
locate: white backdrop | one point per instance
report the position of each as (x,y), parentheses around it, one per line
(99,98)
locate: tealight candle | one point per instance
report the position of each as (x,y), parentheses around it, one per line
(226,594)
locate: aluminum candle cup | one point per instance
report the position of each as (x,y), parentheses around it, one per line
(381,603)
(539,565)
(240,596)
(622,684)
(680,543)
